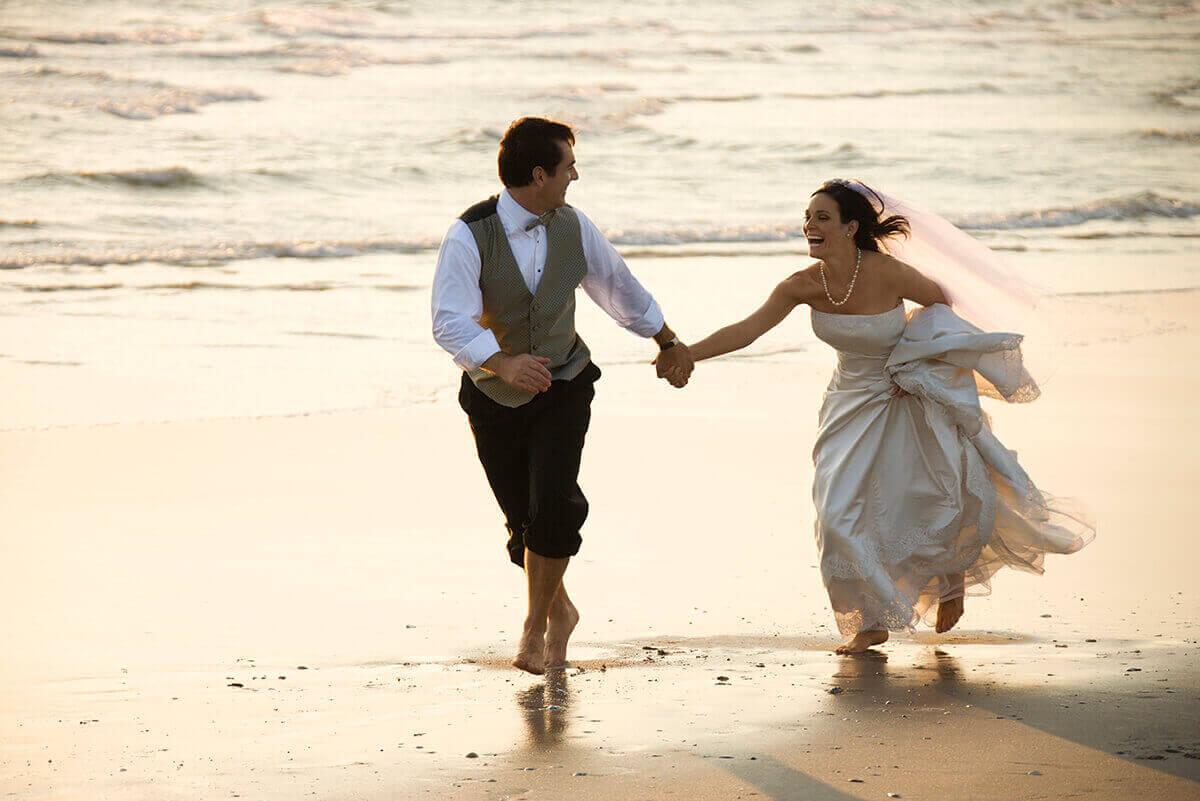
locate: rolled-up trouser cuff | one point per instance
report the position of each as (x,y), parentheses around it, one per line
(531,455)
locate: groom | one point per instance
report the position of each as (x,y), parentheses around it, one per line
(504,308)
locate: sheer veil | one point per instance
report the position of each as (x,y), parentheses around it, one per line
(981,287)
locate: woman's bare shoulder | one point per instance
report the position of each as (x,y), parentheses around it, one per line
(803,283)
(909,282)
(893,271)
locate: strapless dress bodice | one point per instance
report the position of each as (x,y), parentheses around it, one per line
(863,342)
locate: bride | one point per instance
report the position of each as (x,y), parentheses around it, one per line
(916,501)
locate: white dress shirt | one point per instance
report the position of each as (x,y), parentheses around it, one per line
(458,300)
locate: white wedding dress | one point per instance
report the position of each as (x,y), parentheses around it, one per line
(913,488)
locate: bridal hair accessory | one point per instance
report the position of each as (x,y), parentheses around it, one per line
(981,287)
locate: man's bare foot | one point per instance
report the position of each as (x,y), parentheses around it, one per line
(862,641)
(948,614)
(529,651)
(563,619)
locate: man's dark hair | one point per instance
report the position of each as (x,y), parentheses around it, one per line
(531,142)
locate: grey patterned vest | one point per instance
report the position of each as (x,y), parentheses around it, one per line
(542,323)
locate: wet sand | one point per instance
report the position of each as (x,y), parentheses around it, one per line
(319,606)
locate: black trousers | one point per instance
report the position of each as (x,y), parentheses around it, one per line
(531,456)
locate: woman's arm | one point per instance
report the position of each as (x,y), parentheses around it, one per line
(785,297)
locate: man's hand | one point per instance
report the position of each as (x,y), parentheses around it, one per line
(675,364)
(524,372)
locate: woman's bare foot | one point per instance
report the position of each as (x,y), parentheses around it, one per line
(529,649)
(563,619)
(950,609)
(862,641)
(948,614)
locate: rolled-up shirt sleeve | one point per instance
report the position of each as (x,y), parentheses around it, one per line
(613,288)
(457,301)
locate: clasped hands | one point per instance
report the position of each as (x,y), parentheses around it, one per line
(675,365)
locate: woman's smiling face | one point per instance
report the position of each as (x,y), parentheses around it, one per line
(823,226)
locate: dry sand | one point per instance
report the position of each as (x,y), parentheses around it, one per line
(319,606)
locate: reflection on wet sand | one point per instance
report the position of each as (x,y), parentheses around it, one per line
(864,673)
(1084,702)
(784,718)
(544,709)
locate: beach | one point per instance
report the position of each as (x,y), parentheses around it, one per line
(248,550)
(319,606)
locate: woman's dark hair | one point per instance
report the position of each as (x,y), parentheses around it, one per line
(854,205)
(531,142)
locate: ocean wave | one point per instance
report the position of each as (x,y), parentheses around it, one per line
(45,289)
(28,51)
(585,93)
(1139,206)
(148,36)
(196,286)
(844,155)
(207,254)
(329,66)
(1104,293)
(1185,96)
(471,137)
(324,60)
(353,23)
(130,98)
(362,23)
(969,89)
(705,235)
(1192,137)
(624,116)
(616,57)
(1143,204)
(159,178)
(1133,235)
(176,101)
(643,107)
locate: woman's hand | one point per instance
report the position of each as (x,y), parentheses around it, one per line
(675,365)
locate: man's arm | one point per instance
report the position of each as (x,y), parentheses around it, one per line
(611,285)
(457,304)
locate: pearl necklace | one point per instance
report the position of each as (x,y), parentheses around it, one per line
(853,278)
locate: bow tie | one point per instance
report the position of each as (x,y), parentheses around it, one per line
(543,220)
